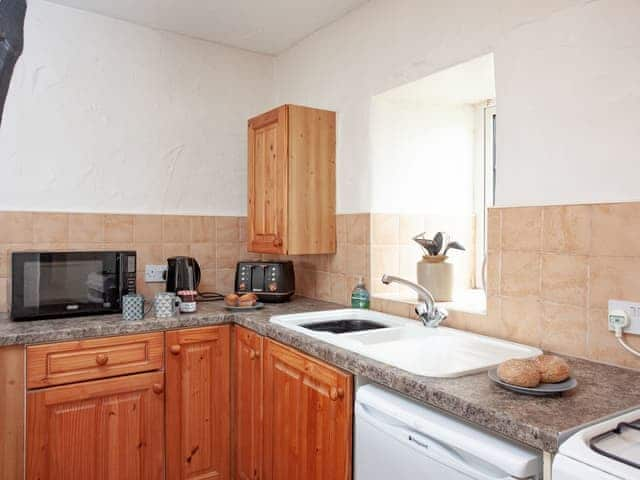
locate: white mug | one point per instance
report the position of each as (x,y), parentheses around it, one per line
(166,304)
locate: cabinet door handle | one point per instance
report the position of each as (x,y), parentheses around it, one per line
(157,388)
(253,354)
(175,349)
(277,242)
(336,393)
(102,359)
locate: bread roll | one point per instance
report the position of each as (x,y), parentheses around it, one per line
(231,300)
(522,373)
(248,300)
(552,368)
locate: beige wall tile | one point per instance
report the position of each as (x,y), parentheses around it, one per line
(409,227)
(176,250)
(384,259)
(520,275)
(16,227)
(86,227)
(409,256)
(203,229)
(493,273)
(208,281)
(225,280)
(494,231)
(358,229)
(613,279)
(205,254)
(565,278)
(242,229)
(357,260)
(227,255)
(176,229)
(490,324)
(338,285)
(602,345)
(341,228)
(395,307)
(147,228)
(522,229)
(149,254)
(564,329)
(4,297)
(567,229)
(227,229)
(338,261)
(323,286)
(522,320)
(615,230)
(384,229)
(118,228)
(50,227)
(306,283)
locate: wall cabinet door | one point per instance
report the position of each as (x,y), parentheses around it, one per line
(101,430)
(198,403)
(247,416)
(292,181)
(307,417)
(267,172)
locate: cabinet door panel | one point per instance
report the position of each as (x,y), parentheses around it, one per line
(307,417)
(103,430)
(198,403)
(248,404)
(268,178)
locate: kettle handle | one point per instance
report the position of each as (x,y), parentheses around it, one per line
(196,274)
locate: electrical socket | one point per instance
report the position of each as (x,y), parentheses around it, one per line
(155,273)
(625,315)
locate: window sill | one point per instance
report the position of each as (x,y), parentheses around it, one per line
(468,301)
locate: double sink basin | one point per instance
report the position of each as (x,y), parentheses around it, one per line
(432,352)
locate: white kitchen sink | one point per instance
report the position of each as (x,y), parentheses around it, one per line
(433,352)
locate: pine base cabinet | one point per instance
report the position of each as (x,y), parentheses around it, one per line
(307,409)
(292,181)
(198,403)
(101,430)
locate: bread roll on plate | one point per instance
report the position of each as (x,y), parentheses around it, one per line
(552,368)
(522,373)
(248,300)
(231,300)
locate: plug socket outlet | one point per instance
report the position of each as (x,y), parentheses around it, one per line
(155,273)
(625,315)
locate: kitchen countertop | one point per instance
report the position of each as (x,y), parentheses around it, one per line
(541,423)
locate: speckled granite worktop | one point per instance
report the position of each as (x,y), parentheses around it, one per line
(538,422)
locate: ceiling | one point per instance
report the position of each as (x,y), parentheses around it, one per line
(261,26)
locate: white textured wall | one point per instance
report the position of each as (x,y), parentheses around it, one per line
(104,115)
(422,158)
(567,77)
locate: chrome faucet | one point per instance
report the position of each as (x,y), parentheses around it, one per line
(428,312)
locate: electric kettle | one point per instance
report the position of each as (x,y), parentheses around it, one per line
(183,273)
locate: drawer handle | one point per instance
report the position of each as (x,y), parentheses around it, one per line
(336,393)
(175,349)
(157,388)
(277,242)
(253,355)
(102,359)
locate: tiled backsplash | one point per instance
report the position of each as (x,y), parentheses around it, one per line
(552,270)
(217,242)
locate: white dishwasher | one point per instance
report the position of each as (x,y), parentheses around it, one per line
(404,440)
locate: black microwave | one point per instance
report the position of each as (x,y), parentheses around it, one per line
(69,284)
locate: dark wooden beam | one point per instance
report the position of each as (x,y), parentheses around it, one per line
(12,14)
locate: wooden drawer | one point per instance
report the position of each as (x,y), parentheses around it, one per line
(77,361)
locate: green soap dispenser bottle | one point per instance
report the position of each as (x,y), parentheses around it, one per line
(360,295)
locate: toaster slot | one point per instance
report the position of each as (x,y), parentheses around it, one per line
(257,278)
